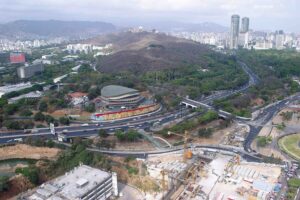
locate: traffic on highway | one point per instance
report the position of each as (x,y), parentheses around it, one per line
(159,118)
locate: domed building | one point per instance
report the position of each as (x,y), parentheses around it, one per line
(115,96)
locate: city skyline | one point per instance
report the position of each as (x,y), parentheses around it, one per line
(264,15)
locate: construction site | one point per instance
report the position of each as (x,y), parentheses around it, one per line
(213,175)
(201,174)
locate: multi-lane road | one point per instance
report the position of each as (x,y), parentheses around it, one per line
(85,130)
(265,115)
(146,121)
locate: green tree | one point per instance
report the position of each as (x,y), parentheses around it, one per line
(49,119)
(120,135)
(3,102)
(43,107)
(4,186)
(39,116)
(10,109)
(262,141)
(205,132)
(64,120)
(94,92)
(103,133)
(50,144)
(29,172)
(208,117)
(12,124)
(26,113)
(90,108)
(132,135)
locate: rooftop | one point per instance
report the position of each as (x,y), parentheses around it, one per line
(116,90)
(72,185)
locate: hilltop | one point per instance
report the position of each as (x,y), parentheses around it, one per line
(144,51)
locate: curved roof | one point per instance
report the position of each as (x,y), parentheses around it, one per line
(116,90)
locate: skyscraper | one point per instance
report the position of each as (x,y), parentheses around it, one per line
(234,31)
(245,25)
(244,34)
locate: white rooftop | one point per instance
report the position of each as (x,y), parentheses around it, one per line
(72,185)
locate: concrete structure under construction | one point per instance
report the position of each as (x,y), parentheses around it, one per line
(82,183)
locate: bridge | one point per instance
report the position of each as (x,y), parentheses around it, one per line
(194,104)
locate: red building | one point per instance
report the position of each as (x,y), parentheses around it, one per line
(17,58)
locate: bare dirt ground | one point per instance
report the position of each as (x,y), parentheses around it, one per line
(29,152)
(64,112)
(17,185)
(140,145)
(219,136)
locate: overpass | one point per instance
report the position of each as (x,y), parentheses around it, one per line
(194,104)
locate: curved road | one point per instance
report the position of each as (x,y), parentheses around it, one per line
(145,122)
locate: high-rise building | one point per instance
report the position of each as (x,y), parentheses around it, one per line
(245,25)
(234,31)
(28,71)
(279,39)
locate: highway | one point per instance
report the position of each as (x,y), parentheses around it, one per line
(265,115)
(146,121)
(142,122)
(253,80)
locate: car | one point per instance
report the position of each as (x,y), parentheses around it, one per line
(18,139)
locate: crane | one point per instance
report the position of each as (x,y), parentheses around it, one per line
(187,154)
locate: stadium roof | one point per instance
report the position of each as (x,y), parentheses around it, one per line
(116,90)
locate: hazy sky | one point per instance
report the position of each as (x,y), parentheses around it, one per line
(264,14)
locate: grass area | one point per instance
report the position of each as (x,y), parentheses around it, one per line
(290,145)
(294,185)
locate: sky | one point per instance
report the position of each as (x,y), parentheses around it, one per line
(264,14)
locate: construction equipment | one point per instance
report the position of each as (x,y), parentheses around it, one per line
(187,153)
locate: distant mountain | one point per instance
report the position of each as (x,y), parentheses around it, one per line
(31,29)
(190,27)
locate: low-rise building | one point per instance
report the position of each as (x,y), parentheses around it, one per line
(81,183)
(13,88)
(78,98)
(30,95)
